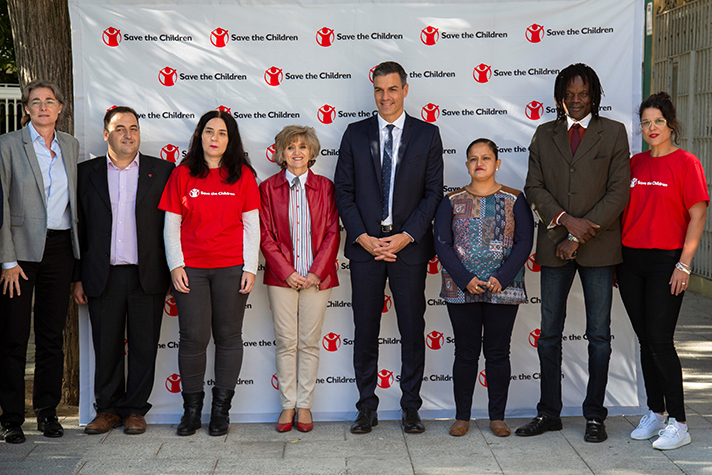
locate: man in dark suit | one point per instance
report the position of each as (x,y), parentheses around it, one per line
(577,183)
(389,181)
(123,274)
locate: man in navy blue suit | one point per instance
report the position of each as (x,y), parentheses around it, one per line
(389,182)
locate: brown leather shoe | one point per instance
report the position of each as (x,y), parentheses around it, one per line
(134,424)
(459,428)
(103,422)
(500,429)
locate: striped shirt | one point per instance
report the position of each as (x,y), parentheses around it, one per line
(299,223)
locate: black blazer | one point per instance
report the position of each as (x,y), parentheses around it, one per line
(1,207)
(417,190)
(95,225)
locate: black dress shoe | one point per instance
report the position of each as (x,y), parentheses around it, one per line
(365,420)
(411,421)
(595,431)
(50,426)
(538,426)
(13,434)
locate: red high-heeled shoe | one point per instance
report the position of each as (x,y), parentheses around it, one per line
(285,426)
(304,426)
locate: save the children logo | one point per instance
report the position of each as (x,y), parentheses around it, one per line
(532,265)
(370,73)
(434,265)
(429,35)
(224,109)
(387,303)
(534,33)
(111,37)
(275,381)
(219,37)
(482,73)
(435,340)
(173,383)
(483,378)
(326,114)
(331,341)
(534,337)
(273,76)
(385,379)
(269,153)
(170,308)
(325,36)
(167,76)
(194,193)
(430,112)
(534,110)
(170,153)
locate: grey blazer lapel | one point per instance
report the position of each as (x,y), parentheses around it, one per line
(590,138)
(33,162)
(561,140)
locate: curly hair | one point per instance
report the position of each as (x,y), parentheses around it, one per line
(588,76)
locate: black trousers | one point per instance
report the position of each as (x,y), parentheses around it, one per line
(488,327)
(50,280)
(644,282)
(125,309)
(368,283)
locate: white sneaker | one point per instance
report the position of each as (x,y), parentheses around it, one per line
(649,427)
(672,437)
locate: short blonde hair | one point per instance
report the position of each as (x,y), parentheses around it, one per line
(291,134)
(36,84)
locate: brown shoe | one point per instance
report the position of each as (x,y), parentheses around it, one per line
(135,424)
(459,428)
(500,429)
(103,422)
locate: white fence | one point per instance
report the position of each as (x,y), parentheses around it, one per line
(682,66)
(10,108)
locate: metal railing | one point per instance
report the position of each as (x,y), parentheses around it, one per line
(682,66)
(10,108)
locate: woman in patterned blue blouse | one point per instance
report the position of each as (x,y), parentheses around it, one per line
(483,236)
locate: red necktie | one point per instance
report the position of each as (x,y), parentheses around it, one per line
(575,138)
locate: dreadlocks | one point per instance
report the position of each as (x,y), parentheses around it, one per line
(588,75)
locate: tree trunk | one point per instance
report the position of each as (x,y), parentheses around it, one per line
(43,50)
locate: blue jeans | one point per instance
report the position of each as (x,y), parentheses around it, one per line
(597,285)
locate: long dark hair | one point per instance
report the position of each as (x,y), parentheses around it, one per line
(663,102)
(232,160)
(588,76)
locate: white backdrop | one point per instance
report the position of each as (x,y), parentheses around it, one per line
(482,69)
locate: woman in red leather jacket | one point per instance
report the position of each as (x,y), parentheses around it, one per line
(300,239)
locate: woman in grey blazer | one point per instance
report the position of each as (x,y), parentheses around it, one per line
(38,245)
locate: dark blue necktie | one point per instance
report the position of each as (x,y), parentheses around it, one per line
(386,170)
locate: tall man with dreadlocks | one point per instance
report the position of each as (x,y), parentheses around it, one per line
(578,184)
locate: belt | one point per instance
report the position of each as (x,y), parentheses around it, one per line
(56,232)
(385,229)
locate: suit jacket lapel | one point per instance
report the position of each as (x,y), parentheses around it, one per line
(145,178)
(34,163)
(405,139)
(589,139)
(375,144)
(561,140)
(69,168)
(99,179)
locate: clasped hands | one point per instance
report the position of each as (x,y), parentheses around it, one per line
(297,282)
(385,248)
(581,228)
(477,286)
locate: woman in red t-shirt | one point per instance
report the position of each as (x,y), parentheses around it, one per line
(661,231)
(212,234)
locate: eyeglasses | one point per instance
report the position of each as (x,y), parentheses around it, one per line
(49,103)
(659,122)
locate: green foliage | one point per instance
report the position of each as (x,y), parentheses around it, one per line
(8,67)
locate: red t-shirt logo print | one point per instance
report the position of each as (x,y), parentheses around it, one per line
(170,153)
(111,37)
(482,73)
(429,35)
(326,114)
(331,341)
(167,76)
(430,112)
(534,110)
(325,37)
(534,33)
(219,37)
(435,340)
(173,383)
(385,379)
(273,76)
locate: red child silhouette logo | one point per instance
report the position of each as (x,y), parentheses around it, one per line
(326,114)
(271,150)
(224,109)
(534,337)
(325,36)
(170,153)
(167,76)
(273,76)
(275,381)
(111,37)
(435,340)
(430,112)
(387,303)
(532,265)
(331,341)
(173,383)
(534,33)
(169,306)
(429,35)
(434,265)
(534,110)
(385,379)
(370,73)
(482,73)
(483,378)
(219,37)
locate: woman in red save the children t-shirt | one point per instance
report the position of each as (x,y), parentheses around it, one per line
(212,235)
(661,230)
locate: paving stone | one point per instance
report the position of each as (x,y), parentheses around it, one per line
(287,466)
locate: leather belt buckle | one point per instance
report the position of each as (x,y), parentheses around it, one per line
(386,228)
